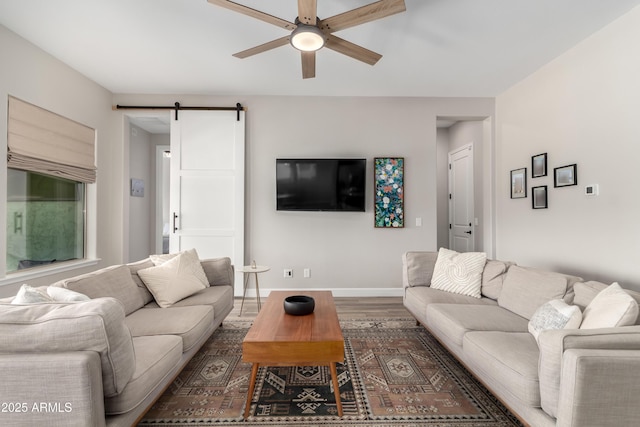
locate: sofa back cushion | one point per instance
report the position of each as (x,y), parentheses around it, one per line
(417,268)
(525,289)
(134,267)
(493,277)
(219,271)
(114,281)
(94,325)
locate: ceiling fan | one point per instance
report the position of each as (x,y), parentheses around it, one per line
(309,33)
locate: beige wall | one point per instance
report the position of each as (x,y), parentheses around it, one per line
(34,76)
(581,108)
(343,250)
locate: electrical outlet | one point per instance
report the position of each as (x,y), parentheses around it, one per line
(307,272)
(288,273)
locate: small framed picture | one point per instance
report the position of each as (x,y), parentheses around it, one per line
(539,197)
(519,183)
(539,165)
(565,176)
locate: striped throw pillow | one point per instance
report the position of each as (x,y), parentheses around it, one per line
(459,273)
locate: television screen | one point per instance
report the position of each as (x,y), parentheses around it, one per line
(320,184)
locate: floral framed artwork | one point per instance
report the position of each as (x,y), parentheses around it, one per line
(389,192)
(539,165)
(564,176)
(519,183)
(539,197)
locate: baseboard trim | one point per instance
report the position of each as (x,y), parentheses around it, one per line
(337,292)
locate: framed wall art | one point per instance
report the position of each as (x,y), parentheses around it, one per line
(565,176)
(539,197)
(539,165)
(389,192)
(519,183)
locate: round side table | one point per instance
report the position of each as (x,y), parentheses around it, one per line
(248,270)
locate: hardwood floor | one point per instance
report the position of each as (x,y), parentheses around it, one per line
(348,308)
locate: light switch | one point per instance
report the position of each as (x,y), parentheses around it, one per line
(418,222)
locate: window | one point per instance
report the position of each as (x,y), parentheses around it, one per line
(45,220)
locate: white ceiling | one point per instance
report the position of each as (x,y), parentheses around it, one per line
(436,48)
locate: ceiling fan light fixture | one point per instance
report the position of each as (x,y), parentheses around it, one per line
(307,38)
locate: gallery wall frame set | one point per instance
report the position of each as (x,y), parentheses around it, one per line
(388,192)
(563,176)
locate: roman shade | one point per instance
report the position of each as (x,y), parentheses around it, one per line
(47,143)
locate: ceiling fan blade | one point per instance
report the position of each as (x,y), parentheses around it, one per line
(361,15)
(352,50)
(308,65)
(263,47)
(282,23)
(307,11)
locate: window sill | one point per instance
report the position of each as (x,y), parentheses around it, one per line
(47,271)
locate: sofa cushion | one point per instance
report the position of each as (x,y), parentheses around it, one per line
(612,307)
(455,320)
(525,289)
(191,255)
(65,295)
(587,291)
(493,278)
(418,268)
(134,267)
(218,297)
(157,357)
(219,271)
(95,325)
(30,295)
(555,314)
(418,298)
(173,280)
(510,359)
(459,273)
(114,281)
(189,323)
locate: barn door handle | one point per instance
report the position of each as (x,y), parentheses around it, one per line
(174,222)
(468,232)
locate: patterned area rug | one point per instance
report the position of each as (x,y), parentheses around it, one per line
(395,374)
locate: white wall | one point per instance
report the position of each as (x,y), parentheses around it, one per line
(343,250)
(34,76)
(581,108)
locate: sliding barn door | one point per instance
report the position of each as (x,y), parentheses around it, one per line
(207,185)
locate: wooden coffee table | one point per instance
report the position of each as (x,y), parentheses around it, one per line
(280,339)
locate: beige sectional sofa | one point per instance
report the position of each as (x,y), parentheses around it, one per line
(106,360)
(567,377)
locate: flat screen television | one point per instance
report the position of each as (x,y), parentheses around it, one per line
(320,184)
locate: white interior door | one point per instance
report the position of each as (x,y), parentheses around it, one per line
(207,185)
(461,215)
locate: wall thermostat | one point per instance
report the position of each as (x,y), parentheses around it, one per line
(591,190)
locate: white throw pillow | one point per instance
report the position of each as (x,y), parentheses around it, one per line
(612,307)
(459,273)
(160,259)
(65,295)
(555,314)
(173,280)
(30,295)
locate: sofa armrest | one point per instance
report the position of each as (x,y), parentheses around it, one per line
(219,271)
(51,389)
(417,268)
(599,387)
(554,344)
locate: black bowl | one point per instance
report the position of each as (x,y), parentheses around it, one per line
(299,305)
